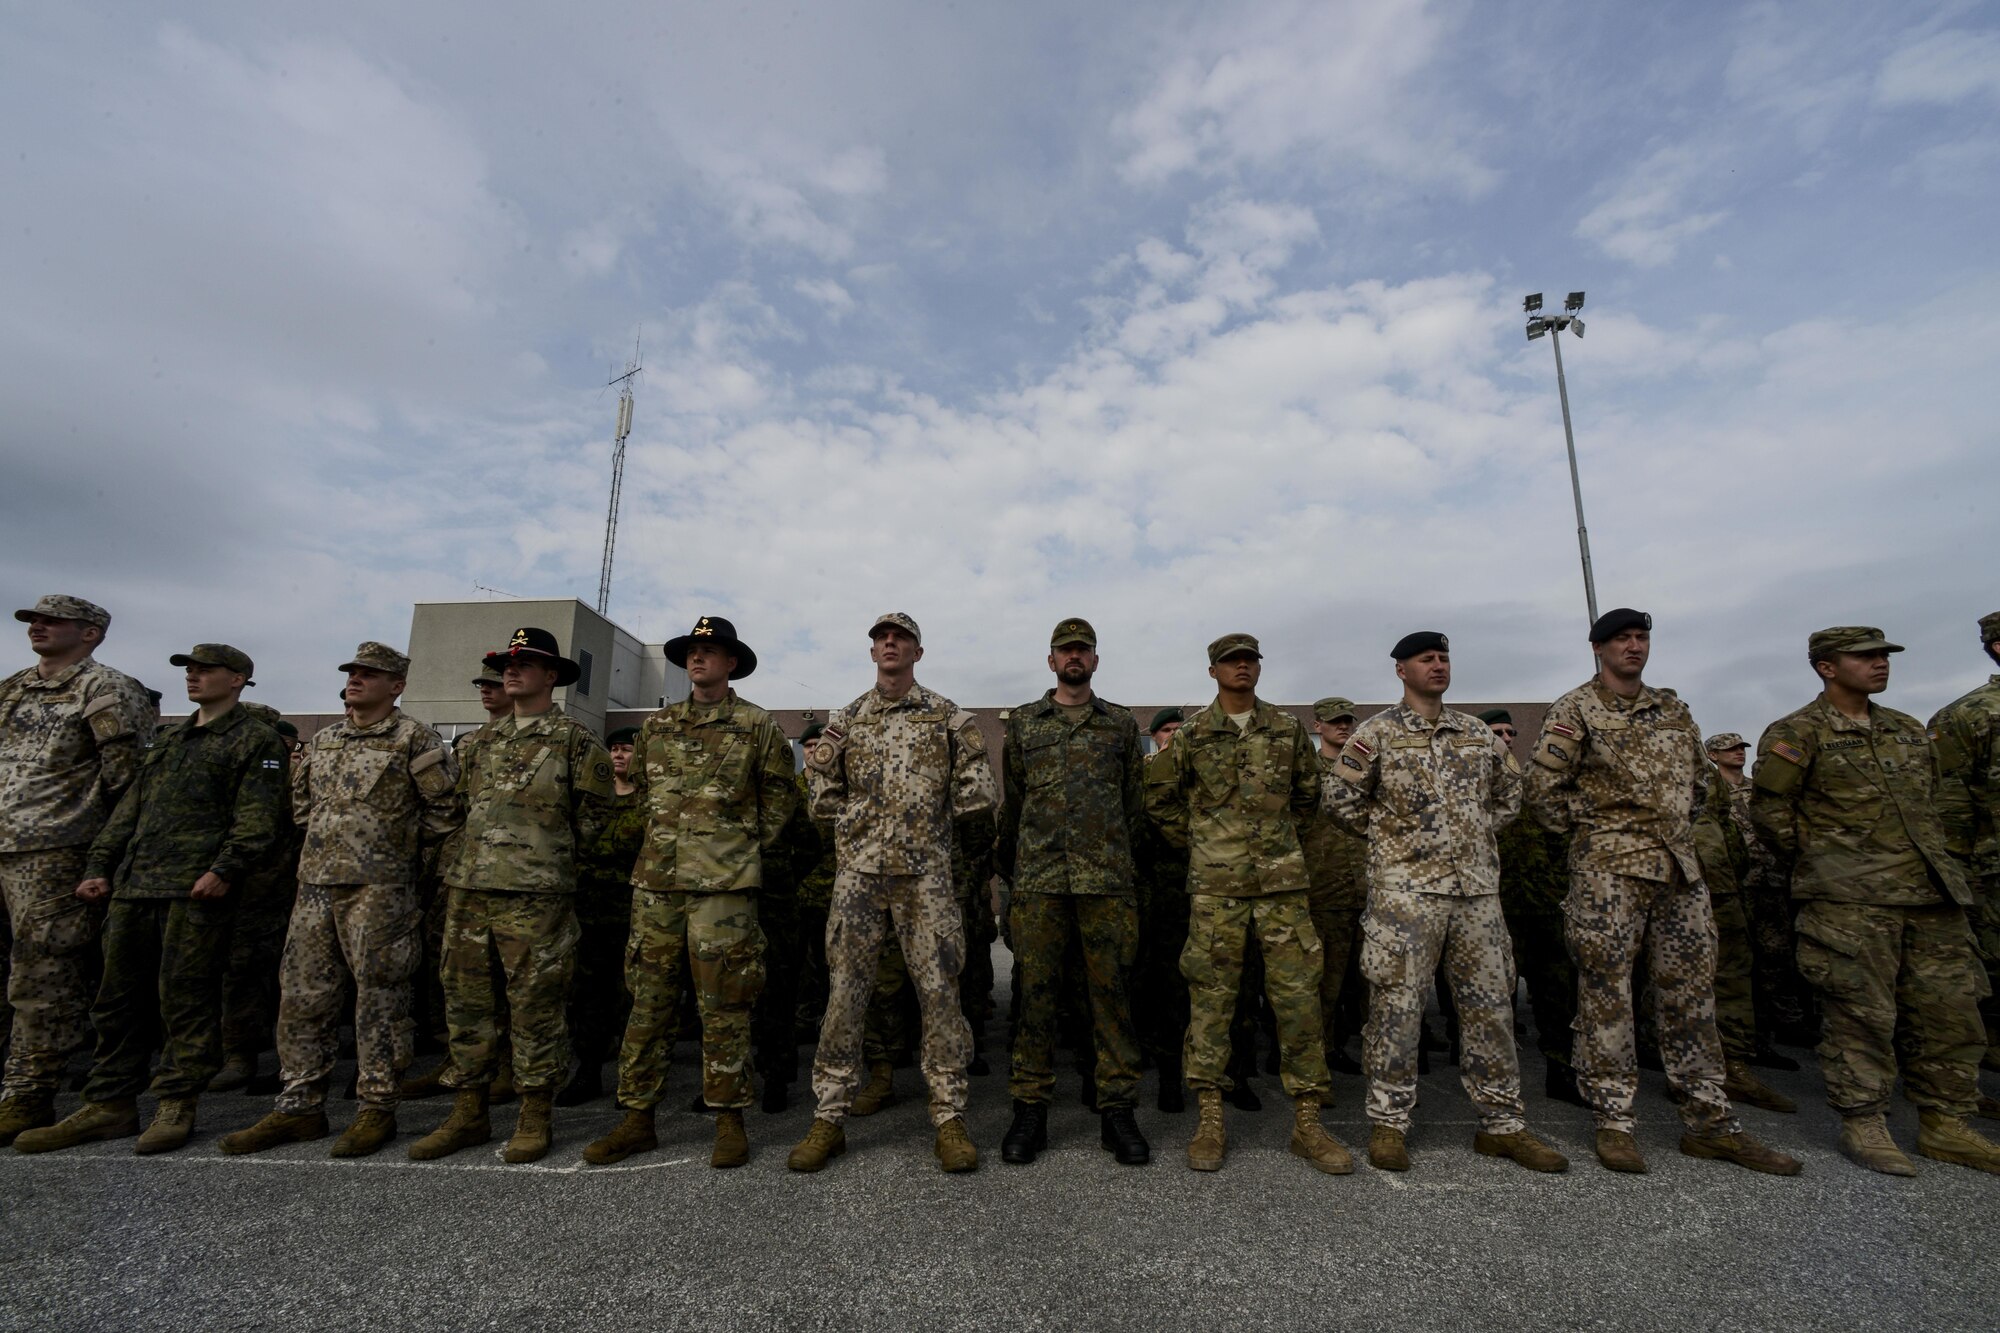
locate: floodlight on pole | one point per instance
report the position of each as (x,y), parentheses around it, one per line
(1553,325)
(1532,303)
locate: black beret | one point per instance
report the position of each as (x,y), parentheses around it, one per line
(622,736)
(1492,715)
(1616,621)
(1421,642)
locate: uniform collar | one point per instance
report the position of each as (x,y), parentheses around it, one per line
(1646,697)
(1214,718)
(718,711)
(227,722)
(528,726)
(386,724)
(36,681)
(1412,720)
(1047,703)
(878,702)
(1842,722)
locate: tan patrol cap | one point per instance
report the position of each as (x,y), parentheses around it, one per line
(378,657)
(61,606)
(1073,630)
(1848,639)
(901,620)
(217,654)
(1231,645)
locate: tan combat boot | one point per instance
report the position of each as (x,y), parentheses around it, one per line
(635,1133)
(954,1147)
(878,1092)
(371,1129)
(1618,1151)
(90,1123)
(275,1129)
(1311,1141)
(1865,1141)
(1947,1138)
(236,1071)
(466,1127)
(1386,1149)
(1743,1150)
(30,1111)
(732,1145)
(1523,1147)
(822,1143)
(172,1127)
(1739,1084)
(533,1131)
(1205,1150)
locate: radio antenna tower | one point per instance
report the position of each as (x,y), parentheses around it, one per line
(624,383)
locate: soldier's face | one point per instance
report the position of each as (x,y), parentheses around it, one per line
(1429,672)
(368,688)
(492,696)
(1238,672)
(1073,663)
(526,680)
(51,637)
(708,664)
(1864,673)
(893,649)
(1625,653)
(1732,758)
(1336,732)
(621,759)
(211,684)
(1165,735)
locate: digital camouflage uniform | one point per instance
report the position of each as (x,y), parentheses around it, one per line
(207,799)
(1534,881)
(1337,866)
(1624,777)
(599,1001)
(1428,796)
(368,798)
(534,791)
(1724,861)
(892,775)
(1965,736)
(69,748)
(716,779)
(1074,800)
(1236,801)
(1883,936)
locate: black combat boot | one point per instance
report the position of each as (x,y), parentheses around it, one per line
(1120,1135)
(1027,1135)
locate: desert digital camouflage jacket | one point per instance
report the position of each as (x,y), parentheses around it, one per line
(717,783)
(1846,807)
(69,747)
(1073,799)
(1624,778)
(370,798)
(892,775)
(1965,737)
(1430,798)
(535,791)
(207,798)
(1237,801)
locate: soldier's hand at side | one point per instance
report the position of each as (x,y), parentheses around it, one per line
(93,890)
(209,886)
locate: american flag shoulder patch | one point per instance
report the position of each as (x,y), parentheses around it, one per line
(1788,752)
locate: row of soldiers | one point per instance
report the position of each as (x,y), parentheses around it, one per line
(1238,845)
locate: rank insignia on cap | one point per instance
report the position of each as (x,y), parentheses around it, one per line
(1563,729)
(520,639)
(702,628)
(1788,752)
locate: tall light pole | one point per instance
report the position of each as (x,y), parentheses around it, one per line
(1553,325)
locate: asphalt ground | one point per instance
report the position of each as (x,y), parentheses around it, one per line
(96,1238)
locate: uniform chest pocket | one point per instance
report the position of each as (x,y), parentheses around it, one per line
(1214,762)
(360,775)
(1041,759)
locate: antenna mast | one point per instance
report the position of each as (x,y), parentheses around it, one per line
(624,383)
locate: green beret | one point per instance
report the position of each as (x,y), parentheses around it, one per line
(285,728)
(1492,715)
(622,736)
(1164,717)
(813,730)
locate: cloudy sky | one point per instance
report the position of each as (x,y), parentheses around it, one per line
(1186,318)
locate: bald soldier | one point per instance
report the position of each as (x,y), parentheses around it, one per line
(1965,736)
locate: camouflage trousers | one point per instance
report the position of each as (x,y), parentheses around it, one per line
(1610,918)
(599,1003)
(1159,991)
(811,1001)
(250,977)
(931,927)
(1405,936)
(774,1038)
(975,983)
(163,960)
(51,954)
(885,1033)
(530,940)
(1735,1004)
(1218,931)
(1541,958)
(1985,917)
(371,934)
(716,937)
(1339,931)
(1895,979)
(1780,994)
(1106,930)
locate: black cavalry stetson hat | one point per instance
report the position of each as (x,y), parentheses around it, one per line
(536,643)
(716,630)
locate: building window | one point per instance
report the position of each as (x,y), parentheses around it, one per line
(583,671)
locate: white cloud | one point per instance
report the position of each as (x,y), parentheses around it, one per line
(1646,217)
(828,293)
(1940,68)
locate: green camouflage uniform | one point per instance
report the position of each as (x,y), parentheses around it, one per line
(1534,880)
(815,895)
(717,783)
(250,974)
(1965,736)
(1724,863)
(535,791)
(1236,801)
(1073,802)
(207,799)
(1337,866)
(69,748)
(1777,990)
(1883,937)
(599,1002)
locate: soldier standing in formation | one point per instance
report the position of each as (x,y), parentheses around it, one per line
(892,770)
(599,1004)
(1777,993)
(1160,993)
(535,792)
(1337,866)
(1965,736)
(715,776)
(1074,803)
(1843,793)
(1619,765)
(1427,786)
(206,807)
(376,787)
(1234,789)
(71,730)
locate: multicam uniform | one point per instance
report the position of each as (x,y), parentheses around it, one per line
(1965,736)
(368,798)
(1429,795)
(892,775)
(1337,866)
(1725,862)
(599,1003)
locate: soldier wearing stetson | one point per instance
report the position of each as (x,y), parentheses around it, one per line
(535,793)
(375,788)
(715,774)
(1620,765)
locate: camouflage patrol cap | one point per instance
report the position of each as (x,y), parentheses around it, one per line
(216,654)
(1989,627)
(378,657)
(61,606)
(1725,740)
(1073,630)
(1848,639)
(488,676)
(1165,717)
(1332,708)
(902,621)
(1233,645)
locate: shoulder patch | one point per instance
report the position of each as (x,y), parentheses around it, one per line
(428,759)
(1349,761)
(960,718)
(1367,750)
(99,704)
(1563,729)
(1788,752)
